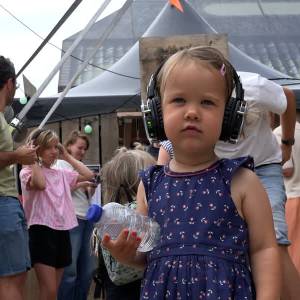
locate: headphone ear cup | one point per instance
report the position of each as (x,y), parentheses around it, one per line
(233,120)
(228,120)
(157,117)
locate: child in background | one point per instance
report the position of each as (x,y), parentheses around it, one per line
(211,211)
(120,180)
(49,209)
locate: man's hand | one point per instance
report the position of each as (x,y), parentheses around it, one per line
(26,154)
(288,172)
(286,153)
(288,168)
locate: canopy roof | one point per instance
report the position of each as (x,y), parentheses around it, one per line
(110,91)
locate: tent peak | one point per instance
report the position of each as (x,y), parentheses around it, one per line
(177,4)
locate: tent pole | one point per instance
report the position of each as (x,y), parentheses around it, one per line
(17,123)
(85,63)
(49,36)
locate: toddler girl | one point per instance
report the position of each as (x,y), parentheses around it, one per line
(218,240)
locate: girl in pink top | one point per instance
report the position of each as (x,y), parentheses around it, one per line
(49,209)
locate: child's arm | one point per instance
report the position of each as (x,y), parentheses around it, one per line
(37,180)
(264,255)
(85,174)
(124,248)
(163,156)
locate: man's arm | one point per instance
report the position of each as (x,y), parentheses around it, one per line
(288,121)
(24,155)
(7,158)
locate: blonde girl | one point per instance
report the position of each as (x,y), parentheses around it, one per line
(120,181)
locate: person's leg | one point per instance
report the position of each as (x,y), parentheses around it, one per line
(14,250)
(129,291)
(68,282)
(47,280)
(12,287)
(272,180)
(86,262)
(291,278)
(292,214)
(59,275)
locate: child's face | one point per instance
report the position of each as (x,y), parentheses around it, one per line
(193,106)
(49,154)
(78,149)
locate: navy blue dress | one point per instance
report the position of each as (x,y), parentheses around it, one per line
(203,251)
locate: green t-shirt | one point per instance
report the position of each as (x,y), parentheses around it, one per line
(7,178)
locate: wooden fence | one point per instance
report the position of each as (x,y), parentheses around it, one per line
(109,132)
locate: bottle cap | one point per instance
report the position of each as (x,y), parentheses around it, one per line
(94,213)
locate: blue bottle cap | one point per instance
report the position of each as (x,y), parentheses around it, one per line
(94,213)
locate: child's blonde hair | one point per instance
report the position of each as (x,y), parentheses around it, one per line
(209,56)
(42,138)
(123,171)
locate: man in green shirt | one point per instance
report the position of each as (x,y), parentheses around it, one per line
(14,248)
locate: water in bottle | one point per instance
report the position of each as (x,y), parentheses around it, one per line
(113,217)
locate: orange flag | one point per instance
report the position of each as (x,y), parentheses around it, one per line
(177,4)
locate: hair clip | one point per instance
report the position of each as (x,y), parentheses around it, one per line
(223,70)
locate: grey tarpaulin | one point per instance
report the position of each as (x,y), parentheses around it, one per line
(108,91)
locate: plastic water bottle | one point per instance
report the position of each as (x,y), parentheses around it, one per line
(113,217)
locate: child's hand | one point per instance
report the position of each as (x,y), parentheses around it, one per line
(84,185)
(95,181)
(124,247)
(63,153)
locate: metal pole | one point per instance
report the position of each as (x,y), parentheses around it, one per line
(85,63)
(16,123)
(49,36)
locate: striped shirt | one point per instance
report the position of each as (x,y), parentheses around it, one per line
(167,145)
(53,206)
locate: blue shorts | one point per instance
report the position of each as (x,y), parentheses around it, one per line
(272,179)
(14,248)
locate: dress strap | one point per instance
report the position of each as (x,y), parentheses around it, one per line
(149,177)
(228,167)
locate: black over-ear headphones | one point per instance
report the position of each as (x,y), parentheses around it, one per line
(233,120)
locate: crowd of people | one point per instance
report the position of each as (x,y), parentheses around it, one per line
(218,188)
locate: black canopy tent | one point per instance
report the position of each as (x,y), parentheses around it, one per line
(120,86)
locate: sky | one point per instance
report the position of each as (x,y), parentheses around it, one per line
(18,43)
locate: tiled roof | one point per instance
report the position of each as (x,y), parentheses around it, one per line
(283,56)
